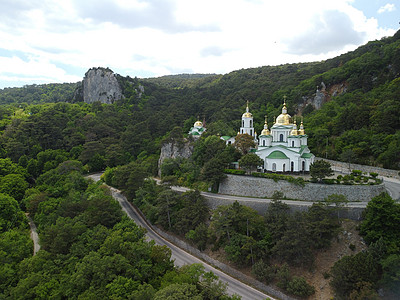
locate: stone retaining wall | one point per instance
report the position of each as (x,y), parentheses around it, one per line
(261,206)
(344,167)
(248,186)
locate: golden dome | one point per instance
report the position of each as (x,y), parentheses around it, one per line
(283,118)
(198,124)
(247,114)
(301,130)
(294,130)
(265,131)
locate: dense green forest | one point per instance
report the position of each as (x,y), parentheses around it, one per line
(363,119)
(49,139)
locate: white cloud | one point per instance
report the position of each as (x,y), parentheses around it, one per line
(387,8)
(157,37)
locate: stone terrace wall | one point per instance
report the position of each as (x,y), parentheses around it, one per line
(344,167)
(265,188)
(261,206)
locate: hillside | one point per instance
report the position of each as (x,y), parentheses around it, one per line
(355,111)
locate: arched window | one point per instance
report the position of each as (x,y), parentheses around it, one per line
(242,123)
(264,143)
(284,168)
(242,131)
(292,143)
(274,167)
(251,132)
(251,123)
(292,166)
(303,165)
(281,137)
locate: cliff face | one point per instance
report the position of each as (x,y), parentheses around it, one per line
(100,84)
(174,149)
(323,95)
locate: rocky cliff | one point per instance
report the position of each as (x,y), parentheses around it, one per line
(322,95)
(174,149)
(99,84)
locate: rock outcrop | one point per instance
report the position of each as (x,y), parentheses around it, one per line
(322,95)
(101,84)
(174,149)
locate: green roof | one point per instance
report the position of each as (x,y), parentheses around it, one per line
(195,133)
(306,155)
(277,155)
(225,137)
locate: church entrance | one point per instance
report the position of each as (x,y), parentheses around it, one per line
(292,166)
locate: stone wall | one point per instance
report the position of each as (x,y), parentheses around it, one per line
(344,168)
(264,188)
(261,205)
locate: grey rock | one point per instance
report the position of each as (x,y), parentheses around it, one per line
(101,84)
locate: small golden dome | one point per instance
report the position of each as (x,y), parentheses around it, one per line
(301,130)
(247,114)
(294,130)
(198,124)
(265,131)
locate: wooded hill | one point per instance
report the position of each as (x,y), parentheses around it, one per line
(359,118)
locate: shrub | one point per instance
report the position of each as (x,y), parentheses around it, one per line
(298,286)
(356,173)
(373,174)
(235,172)
(264,272)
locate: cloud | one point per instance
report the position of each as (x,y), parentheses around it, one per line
(330,31)
(212,51)
(158,14)
(387,8)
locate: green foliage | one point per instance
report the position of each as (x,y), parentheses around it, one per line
(298,286)
(250,161)
(350,271)
(234,171)
(320,169)
(11,215)
(244,142)
(381,220)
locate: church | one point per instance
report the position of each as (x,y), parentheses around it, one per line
(283,148)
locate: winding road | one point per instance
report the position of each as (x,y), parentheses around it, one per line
(180,256)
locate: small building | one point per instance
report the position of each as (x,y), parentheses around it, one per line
(197,130)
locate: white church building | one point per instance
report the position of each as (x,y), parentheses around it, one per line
(283,148)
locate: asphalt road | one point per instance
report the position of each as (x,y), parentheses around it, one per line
(180,256)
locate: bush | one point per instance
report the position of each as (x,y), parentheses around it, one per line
(356,172)
(264,272)
(373,174)
(328,181)
(298,286)
(234,171)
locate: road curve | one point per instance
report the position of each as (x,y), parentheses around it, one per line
(180,256)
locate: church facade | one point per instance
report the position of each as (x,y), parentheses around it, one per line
(283,148)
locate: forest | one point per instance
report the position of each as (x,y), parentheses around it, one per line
(49,140)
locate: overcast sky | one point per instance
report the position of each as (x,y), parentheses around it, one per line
(46,41)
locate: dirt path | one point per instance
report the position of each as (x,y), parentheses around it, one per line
(34,236)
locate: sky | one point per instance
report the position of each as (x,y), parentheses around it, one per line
(50,41)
